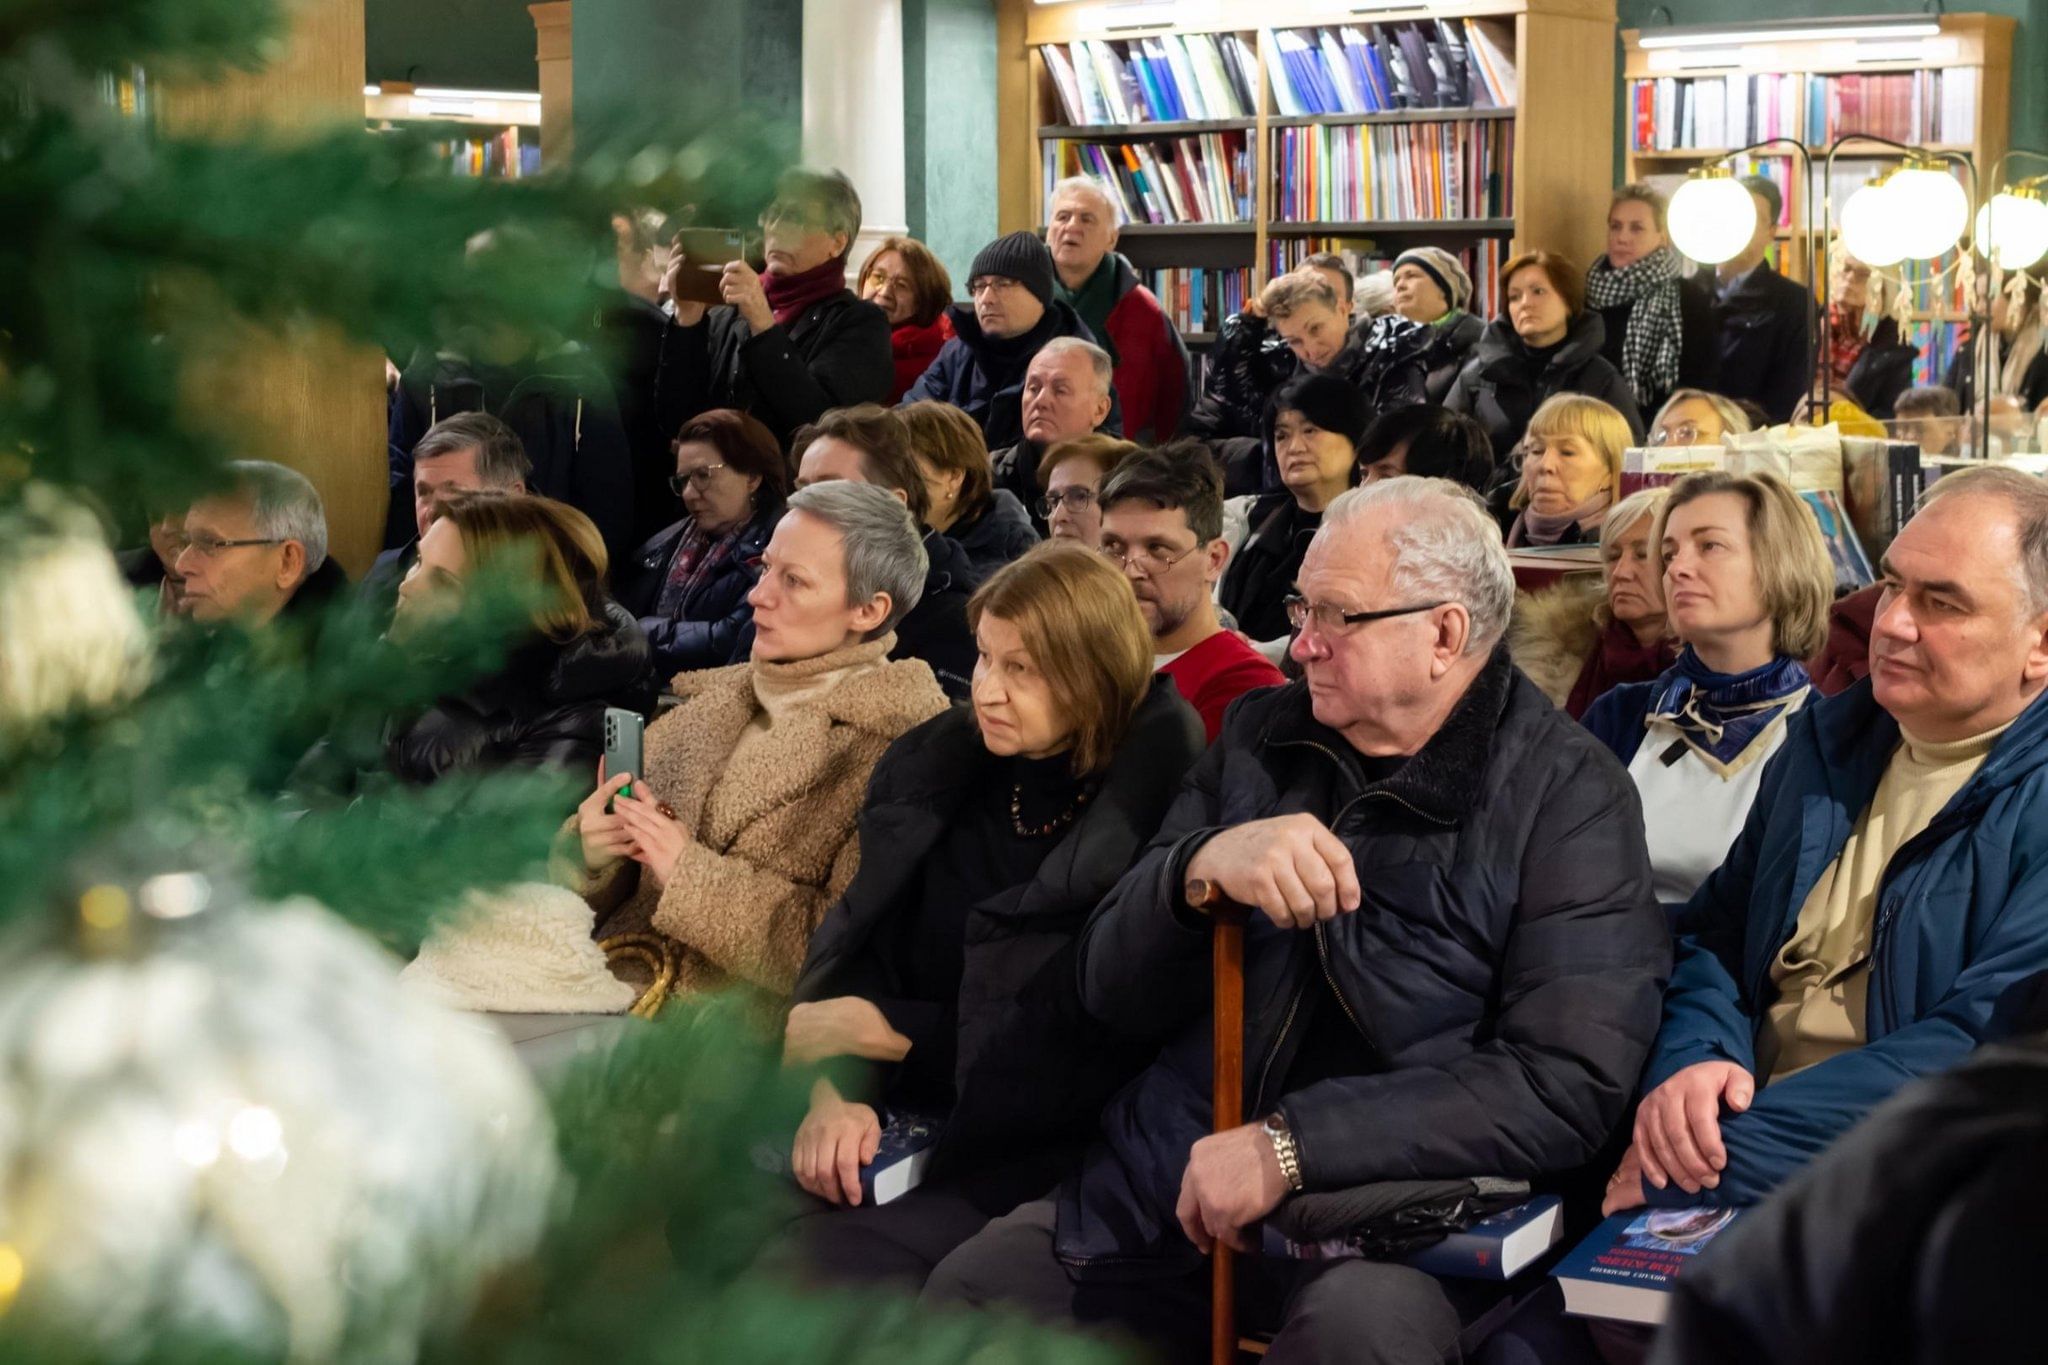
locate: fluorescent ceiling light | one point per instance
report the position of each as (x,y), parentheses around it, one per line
(1795,31)
(435,92)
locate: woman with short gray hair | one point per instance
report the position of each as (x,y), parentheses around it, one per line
(740,832)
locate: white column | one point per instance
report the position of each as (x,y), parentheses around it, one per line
(853,108)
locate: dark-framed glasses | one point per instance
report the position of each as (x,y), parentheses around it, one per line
(1151,559)
(207,546)
(1074,497)
(1331,619)
(698,478)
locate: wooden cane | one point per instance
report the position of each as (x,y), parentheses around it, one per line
(1226,979)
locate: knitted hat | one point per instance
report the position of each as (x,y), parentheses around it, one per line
(525,949)
(1332,403)
(1440,265)
(1022,257)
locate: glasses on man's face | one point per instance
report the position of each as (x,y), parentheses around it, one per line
(991,284)
(1076,498)
(1151,560)
(699,478)
(207,545)
(1333,622)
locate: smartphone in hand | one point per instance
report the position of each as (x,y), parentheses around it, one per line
(624,733)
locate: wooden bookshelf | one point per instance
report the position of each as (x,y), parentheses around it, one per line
(1559,167)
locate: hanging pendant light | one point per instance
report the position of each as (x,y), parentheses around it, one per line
(1713,216)
(1930,206)
(2012,228)
(1870,226)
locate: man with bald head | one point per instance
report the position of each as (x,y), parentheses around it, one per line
(1150,359)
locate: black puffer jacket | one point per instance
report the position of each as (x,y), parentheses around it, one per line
(1000,532)
(1261,574)
(1032,1068)
(545,708)
(703,632)
(1450,346)
(1504,383)
(837,353)
(1247,363)
(1502,979)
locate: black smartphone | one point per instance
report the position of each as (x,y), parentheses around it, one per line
(623,732)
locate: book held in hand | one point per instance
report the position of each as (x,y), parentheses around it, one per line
(1625,1270)
(901,1157)
(1497,1247)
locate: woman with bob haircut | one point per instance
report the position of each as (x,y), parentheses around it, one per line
(903,279)
(952,456)
(1747,585)
(1072,473)
(943,984)
(1571,473)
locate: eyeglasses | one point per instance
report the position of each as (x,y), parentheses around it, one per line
(1332,620)
(207,546)
(1146,557)
(1677,434)
(1074,498)
(982,284)
(698,478)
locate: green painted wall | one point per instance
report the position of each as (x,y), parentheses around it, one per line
(949,132)
(471,44)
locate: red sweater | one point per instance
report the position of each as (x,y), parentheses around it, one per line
(914,349)
(1217,672)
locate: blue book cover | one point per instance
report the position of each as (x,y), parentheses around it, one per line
(1495,1248)
(1355,52)
(1625,1269)
(900,1158)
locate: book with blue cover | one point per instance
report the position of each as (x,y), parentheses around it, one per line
(900,1160)
(1497,1247)
(1624,1271)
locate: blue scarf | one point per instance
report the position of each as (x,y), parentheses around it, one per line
(1721,714)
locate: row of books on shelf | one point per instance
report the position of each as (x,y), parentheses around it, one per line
(1173,77)
(1482,261)
(1673,113)
(1936,341)
(502,156)
(1202,179)
(1385,68)
(1198,298)
(1353,172)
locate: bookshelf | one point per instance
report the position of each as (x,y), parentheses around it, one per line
(1245,136)
(493,133)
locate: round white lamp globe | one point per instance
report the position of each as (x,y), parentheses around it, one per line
(1712,220)
(1931,207)
(2013,230)
(1870,229)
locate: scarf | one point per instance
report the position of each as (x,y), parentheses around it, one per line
(1548,528)
(1846,344)
(1720,716)
(1094,300)
(790,295)
(1649,346)
(1617,658)
(697,558)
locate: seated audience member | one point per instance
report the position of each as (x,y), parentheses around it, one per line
(1766,319)
(1747,583)
(1546,344)
(459,454)
(1317,423)
(788,342)
(903,279)
(1839,408)
(1659,322)
(947,967)
(1694,417)
(257,550)
(1884,891)
(1382,357)
(1465,979)
(1162,523)
(155,565)
(1151,360)
(1578,645)
(1929,417)
(1011,316)
(1571,473)
(1248,363)
(1067,396)
(740,833)
(1071,473)
(689,584)
(1429,442)
(1432,286)
(989,523)
(1867,360)
(870,444)
(581,653)
(2021,366)
(1373,294)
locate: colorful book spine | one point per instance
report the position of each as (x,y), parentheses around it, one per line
(1173,78)
(1205,178)
(1394,172)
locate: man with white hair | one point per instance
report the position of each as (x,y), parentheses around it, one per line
(1454,970)
(1068,393)
(1151,361)
(257,549)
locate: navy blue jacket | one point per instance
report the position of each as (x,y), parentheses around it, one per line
(1962,914)
(703,633)
(1502,975)
(984,376)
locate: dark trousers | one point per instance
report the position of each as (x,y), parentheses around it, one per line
(1361,1312)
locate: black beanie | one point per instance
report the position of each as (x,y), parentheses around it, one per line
(1332,403)
(1022,257)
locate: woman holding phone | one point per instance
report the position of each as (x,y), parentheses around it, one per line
(740,831)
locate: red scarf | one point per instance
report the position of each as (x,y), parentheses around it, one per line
(790,295)
(1617,658)
(914,348)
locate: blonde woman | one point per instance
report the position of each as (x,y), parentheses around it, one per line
(1571,473)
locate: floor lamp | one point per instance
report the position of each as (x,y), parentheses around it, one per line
(2011,234)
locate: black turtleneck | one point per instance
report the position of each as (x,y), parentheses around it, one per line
(1541,356)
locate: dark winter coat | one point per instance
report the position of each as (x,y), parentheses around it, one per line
(1699,340)
(1766,346)
(1033,1069)
(625,336)
(1262,573)
(984,376)
(1503,384)
(386,572)
(1962,914)
(1450,346)
(316,592)
(1248,362)
(1962,378)
(836,353)
(562,408)
(1883,371)
(1151,360)
(544,708)
(1502,975)
(703,633)
(999,533)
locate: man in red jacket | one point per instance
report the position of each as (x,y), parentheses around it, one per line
(1162,521)
(1151,359)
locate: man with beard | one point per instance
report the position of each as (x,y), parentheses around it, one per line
(1162,523)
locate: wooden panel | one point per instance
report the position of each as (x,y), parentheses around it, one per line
(552,53)
(1017,119)
(310,400)
(1564,156)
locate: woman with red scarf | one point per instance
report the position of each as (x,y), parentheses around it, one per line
(903,279)
(788,342)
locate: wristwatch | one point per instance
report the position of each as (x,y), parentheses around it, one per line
(1282,1137)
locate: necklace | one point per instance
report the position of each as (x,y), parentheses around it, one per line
(1052,826)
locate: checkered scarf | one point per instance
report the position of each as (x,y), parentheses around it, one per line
(1649,350)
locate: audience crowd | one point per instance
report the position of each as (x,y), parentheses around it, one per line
(1642,887)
